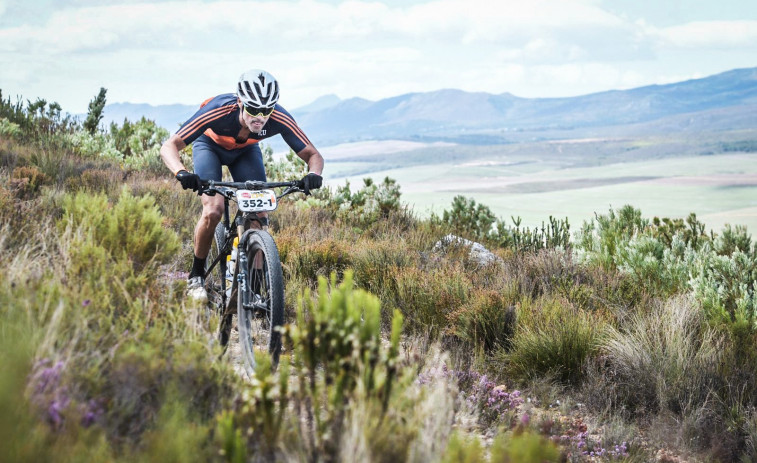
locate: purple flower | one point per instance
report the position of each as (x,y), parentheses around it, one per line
(54,411)
(93,410)
(85,302)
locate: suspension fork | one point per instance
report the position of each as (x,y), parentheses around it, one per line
(242,290)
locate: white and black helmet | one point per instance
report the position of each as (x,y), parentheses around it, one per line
(258,89)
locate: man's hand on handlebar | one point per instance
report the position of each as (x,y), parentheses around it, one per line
(311,181)
(189,181)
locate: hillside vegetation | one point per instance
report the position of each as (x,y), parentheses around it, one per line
(632,339)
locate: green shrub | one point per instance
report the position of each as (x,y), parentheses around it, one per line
(486,321)
(524,447)
(601,238)
(115,251)
(10,130)
(95,111)
(551,340)
(368,204)
(471,220)
(310,260)
(427,296)
(462,450)
(692,232)
(339,363)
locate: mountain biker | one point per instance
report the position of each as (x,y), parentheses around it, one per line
(226,131)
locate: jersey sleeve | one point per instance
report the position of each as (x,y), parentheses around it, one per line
(204,118)
(290,131)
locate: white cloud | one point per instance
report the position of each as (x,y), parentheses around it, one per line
(712,34)
(174,51)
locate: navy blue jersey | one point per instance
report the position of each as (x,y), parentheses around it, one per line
(218,118)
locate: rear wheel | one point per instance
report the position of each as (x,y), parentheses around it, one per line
(261,311)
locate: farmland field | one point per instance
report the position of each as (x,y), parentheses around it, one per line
(669,178)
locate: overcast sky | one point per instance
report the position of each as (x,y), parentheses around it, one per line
(162,52)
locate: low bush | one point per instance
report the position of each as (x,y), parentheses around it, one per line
(552,339)
(426,297)
(486,321)
(663,360)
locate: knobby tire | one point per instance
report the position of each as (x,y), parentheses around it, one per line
(258,326)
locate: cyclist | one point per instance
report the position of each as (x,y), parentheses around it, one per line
(226,131)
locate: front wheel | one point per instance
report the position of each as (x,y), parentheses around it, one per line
(260,305)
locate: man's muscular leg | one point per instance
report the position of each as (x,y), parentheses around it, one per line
(212,212)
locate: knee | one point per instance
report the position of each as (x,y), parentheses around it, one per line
(212,214)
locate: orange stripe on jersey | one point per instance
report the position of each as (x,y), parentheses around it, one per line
(228,143)
(289,122)
(211,116)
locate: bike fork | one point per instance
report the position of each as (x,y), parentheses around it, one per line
(242,278)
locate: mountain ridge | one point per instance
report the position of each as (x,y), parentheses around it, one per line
(459,116)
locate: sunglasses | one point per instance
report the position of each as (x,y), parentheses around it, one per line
(258,112)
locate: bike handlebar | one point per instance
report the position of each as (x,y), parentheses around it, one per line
(251,184)
(213,186)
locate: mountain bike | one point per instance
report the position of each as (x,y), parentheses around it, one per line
(252,285)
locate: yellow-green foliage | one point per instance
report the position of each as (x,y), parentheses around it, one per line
(114,250)
(338,353)
(130,229)
(520,447)
(524,447)
(462,450)
(375,264)
(177,437)
(552,339)
(319,258)
(486,321)
(427,296)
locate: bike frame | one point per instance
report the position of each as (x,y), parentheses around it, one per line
(241,222)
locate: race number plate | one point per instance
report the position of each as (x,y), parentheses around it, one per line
(256,201)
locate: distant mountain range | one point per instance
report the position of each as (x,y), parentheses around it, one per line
(722,101)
